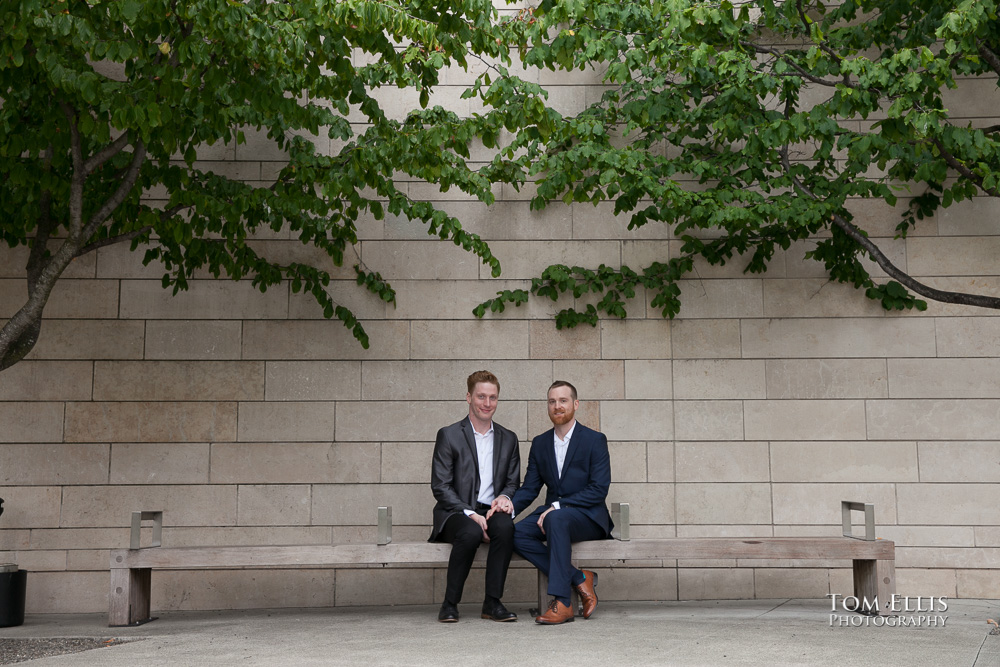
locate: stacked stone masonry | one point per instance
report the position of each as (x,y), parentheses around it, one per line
(249,419)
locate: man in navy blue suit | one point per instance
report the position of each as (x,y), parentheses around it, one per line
(573,463)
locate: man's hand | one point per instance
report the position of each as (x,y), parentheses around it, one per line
(541,519)
(481,520)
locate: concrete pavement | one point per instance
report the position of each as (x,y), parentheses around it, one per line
(717,632)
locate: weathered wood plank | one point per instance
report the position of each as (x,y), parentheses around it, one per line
(417,553)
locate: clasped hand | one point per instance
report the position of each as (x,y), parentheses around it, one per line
(501,504)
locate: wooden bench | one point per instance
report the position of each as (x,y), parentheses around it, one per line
(131,569)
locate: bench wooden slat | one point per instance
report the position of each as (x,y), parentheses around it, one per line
(417,553)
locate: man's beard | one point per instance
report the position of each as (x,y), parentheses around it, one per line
(564,418)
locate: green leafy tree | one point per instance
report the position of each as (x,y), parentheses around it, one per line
(104,100)
(781,112)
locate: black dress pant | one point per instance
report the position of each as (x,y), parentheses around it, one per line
(465,536)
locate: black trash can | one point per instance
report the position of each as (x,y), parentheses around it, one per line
(12,586)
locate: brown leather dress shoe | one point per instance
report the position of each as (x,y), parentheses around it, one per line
(588,596)
(556,613)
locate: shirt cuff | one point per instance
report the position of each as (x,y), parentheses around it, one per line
(556,506)
(468,512)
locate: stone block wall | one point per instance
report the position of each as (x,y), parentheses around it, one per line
(249,419)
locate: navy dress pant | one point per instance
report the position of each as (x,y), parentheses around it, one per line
(551,552)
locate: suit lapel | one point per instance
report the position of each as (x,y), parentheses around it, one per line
(549,451)
(499,478)
(470,442)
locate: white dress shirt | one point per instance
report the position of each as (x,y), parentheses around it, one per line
(562,446)
(484,451)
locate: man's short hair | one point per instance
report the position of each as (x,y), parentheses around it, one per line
(482,376)
(563,383)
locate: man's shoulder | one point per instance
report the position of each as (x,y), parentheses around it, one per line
(456,427)
(542,437)
(586,432)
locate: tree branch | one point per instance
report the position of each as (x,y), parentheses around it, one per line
(859,237)
(78,177)
(122,238)
(958,166)
(991,58)
(798,70)
(115,200)
(109,151)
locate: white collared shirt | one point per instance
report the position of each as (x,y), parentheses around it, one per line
(561,446)
(484,452)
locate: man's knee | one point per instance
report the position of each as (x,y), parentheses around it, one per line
(468,535)
(500,526)
(555,521)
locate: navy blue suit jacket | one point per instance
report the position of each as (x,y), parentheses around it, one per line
(585,479)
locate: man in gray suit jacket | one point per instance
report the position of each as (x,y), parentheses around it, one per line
(476,468)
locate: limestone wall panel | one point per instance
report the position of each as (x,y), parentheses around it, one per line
(444,380)
(159,463)
(805,420)
(471,339)
(708,420)
(203,300)
(178,380)
(818,297)
(313,380)
(659,462)
(288,340)
(649,379)
(822,338)
(628,461)
(53,464)
(648,503)
(719,378)
(959,461)
(716,503)
(193,339)
(176,590)
(31,506)
(288,421)
(357,504)
(868,461)
(294,462)
(150,421)
(89,340)
(952,256)
(722,462)
(31,422)
(48,381)
(948,504)
(826,378)
(721,298)
(706,339)
(944,378)
(273,504)
(581,342)
(816,503)
(182,505)
(423,260)
(699,583)
(637,420)
(945,419)
(635,339)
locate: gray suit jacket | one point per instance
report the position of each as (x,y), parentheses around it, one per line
(455,469)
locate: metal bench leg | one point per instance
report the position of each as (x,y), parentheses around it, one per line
(875,579)
(128,602)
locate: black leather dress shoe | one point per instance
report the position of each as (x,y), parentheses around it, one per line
(448,613)
(498,612)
